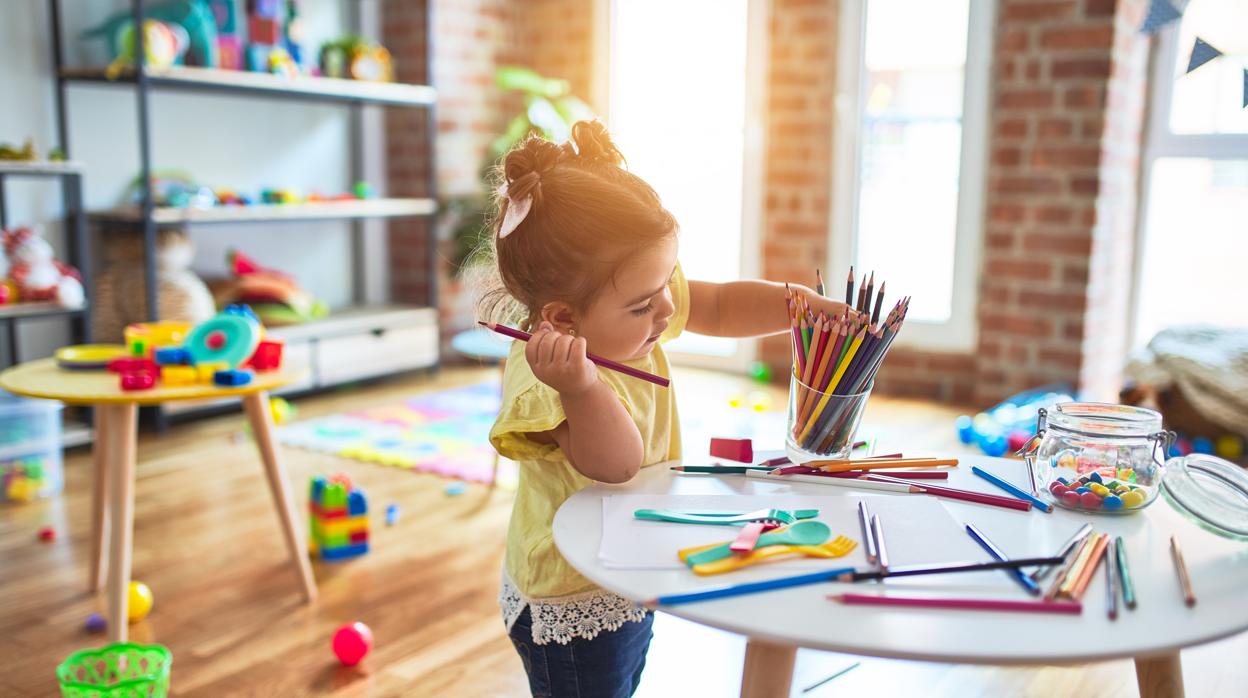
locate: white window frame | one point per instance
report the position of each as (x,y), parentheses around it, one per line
(753,164)
(960,333)
(1161,142)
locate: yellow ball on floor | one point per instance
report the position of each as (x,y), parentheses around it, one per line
(140,601)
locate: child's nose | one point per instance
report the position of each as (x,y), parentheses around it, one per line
(667,308)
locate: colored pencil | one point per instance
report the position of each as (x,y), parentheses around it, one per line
(1185,579)
(849,288)
(1063,551)
(818,282)
(905,474)
(1071,560)
(879,303)
(1002,484)
(1111,582)
(852,483)
(779,460)
(1026,582)
(963,495)
(1089,568)
(881,550)
(1124,573)
(749,588)
(720,469)
(841,465)
(1071,607)
(948,568)
(864,520)
(605,363)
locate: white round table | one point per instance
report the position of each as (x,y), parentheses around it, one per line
(778,622)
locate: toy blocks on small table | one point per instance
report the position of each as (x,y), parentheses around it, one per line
(740,450)
(339,519)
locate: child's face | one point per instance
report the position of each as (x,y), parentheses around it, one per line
(626,319)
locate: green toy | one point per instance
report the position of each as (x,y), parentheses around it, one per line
(122,670)
(195,16)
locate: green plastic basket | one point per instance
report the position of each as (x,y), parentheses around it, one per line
(123,670)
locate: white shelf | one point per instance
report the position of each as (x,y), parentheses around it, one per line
(275,213)
(356,320)
(243,82)
(39,167)
(40,309)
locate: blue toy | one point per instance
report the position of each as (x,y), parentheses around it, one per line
(1008,426)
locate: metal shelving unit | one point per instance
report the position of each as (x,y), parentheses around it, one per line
(352,95)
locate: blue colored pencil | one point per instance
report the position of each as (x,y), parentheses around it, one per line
(1027,582)
(750,587)
(1038,503)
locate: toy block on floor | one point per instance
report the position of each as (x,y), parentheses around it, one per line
(338,527)
(740,450)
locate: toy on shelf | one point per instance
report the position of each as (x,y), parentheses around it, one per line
(276,297)
(274,33)
(352,642)
(339,519)
(35,274)
(225,350)
(23,154)
(174,189)
(1007,427)
(164,44)
(193,20)
(357,58)
(229,44)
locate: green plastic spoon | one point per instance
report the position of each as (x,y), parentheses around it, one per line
(800,533)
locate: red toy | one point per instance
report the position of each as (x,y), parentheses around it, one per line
(47,534)
(268,356)
(352,642)
(132,364)
(740,450)
(138,380)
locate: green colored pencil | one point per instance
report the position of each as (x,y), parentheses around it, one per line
(1124,574)
(720,469)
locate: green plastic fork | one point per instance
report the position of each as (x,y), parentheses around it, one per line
(725,519)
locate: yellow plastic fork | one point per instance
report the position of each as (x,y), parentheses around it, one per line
(837,547)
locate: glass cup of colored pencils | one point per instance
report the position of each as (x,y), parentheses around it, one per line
(835,360)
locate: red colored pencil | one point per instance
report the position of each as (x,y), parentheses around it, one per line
(964,495)
(1074,607)
(605,363)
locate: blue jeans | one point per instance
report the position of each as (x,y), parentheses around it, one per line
(608,666)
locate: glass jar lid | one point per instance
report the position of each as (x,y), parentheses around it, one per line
(1104,419)
(1210,491)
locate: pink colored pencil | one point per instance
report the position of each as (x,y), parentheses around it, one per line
(605,363)
(964,495)
(1074,608)
(907,474)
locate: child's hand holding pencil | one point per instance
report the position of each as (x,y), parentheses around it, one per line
(559,360)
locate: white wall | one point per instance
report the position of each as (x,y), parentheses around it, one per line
(227,142)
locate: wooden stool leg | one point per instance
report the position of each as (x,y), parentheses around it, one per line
(122,427)
(768,670)
(257,407)
(99,497)
(1159,677)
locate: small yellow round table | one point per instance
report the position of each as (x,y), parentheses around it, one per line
(116,432)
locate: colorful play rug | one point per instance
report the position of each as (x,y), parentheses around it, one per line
(446,433)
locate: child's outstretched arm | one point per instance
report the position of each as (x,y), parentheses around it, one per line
(599,437)
(750,308)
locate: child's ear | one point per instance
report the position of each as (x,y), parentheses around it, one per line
(559,314)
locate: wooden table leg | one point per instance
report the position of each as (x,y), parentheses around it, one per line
(122,427)
(257,407)
(99,497)
(1159,677)
(768,670)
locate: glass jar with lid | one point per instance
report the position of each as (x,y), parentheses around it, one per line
(1099,458)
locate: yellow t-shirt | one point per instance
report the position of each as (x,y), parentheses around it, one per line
(530,406)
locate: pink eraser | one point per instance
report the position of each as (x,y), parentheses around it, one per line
(740,450)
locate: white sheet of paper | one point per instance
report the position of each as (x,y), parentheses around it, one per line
(918,530)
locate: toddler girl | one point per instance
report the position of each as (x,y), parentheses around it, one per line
(585,259)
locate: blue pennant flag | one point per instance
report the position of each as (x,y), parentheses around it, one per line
(1160,13)
(1202,53)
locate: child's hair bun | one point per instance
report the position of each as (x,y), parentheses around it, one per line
(525,165)
(594,144)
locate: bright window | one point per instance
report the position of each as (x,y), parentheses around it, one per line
(909,145)
(1195,186)
(680,118)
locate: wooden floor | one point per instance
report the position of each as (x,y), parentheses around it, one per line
(227,605)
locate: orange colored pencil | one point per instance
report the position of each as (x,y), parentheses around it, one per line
(1089,568)
(1071,560)
(872,465)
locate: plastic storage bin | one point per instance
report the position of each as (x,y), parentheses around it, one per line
(124,670)
(30,448)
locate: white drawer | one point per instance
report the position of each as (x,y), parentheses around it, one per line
(375,353)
